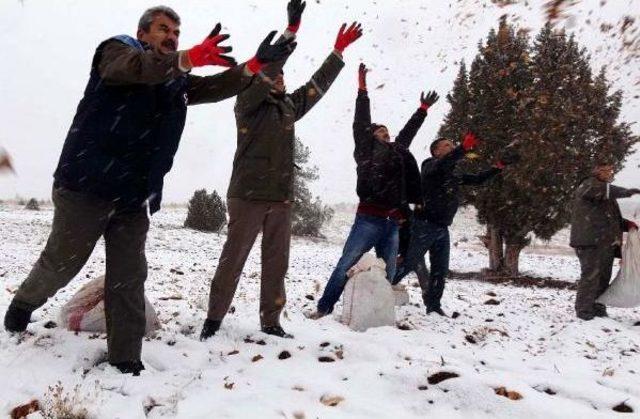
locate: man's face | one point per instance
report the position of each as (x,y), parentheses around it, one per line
(163,34)
(443,148)
(604,173)
(382,134)
(278,85)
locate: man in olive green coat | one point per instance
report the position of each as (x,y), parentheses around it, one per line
(596,234)
(261,188)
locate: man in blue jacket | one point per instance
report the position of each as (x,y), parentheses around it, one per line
(110,175)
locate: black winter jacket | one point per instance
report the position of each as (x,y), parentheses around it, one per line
(388,174)
(441,186)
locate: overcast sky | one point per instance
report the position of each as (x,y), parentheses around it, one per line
(412,45)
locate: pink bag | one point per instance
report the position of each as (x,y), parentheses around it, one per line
(85,311)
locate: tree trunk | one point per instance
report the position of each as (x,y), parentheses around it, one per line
(495,246)
(512,259)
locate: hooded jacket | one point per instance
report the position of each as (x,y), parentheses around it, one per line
(388,175)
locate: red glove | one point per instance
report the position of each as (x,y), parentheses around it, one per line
(362,77)
(346,38)
(209,53)
(631,225)
(500,165)
(470,141)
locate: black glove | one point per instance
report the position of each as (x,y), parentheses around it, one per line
(634,191)
(294,12)
(510,157)
(268,53)
(427,101)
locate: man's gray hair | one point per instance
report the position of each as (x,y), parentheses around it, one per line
(147,17)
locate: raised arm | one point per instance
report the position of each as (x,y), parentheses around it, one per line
(259,83)
(596,190)
(445,164)
(448,162)
(122,64)
(221,86)
(362,119)
(408,133)
(124,61)
(481,177)
(307,96)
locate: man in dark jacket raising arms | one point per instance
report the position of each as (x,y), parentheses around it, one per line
(596,235)
(261,188)
(121,144)
(430,227)
(388,179)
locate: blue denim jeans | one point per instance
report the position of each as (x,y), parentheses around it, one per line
(368,232)
(432,238)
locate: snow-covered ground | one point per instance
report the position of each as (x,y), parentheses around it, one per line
(529,343)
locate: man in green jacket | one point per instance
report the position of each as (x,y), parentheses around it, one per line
(261,188)
(596,235)
(110,175)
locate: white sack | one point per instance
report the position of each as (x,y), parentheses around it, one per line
(85,311)
(624,291)
(401,294)
(368,299)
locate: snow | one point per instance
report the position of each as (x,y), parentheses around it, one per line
(530,342)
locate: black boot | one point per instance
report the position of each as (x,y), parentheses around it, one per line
(16,319)
(276,331)
(129,367)
(209,329)
(437,311)
(601,310)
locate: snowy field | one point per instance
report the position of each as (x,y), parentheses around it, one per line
(530,343)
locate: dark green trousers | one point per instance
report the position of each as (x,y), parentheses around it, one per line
(79,221)
(596,264)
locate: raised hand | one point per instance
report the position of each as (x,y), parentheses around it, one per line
(362,76)
(470,141)
(210,53)
(427,101)
(294,13)
(269,53)
(347,36)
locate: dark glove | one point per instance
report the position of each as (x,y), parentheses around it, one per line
(634,191)
(427,101)
(294,12)
(348,36)
(509,157)
(470,141)
(209,53)
(631,225)
(362,77)
(269,53)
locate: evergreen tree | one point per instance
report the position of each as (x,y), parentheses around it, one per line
(498,82)
(456,122)
(32,205)
(309,214)
(543,98)
(207,212)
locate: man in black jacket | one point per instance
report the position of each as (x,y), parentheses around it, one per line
(430,227)
(388,179)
